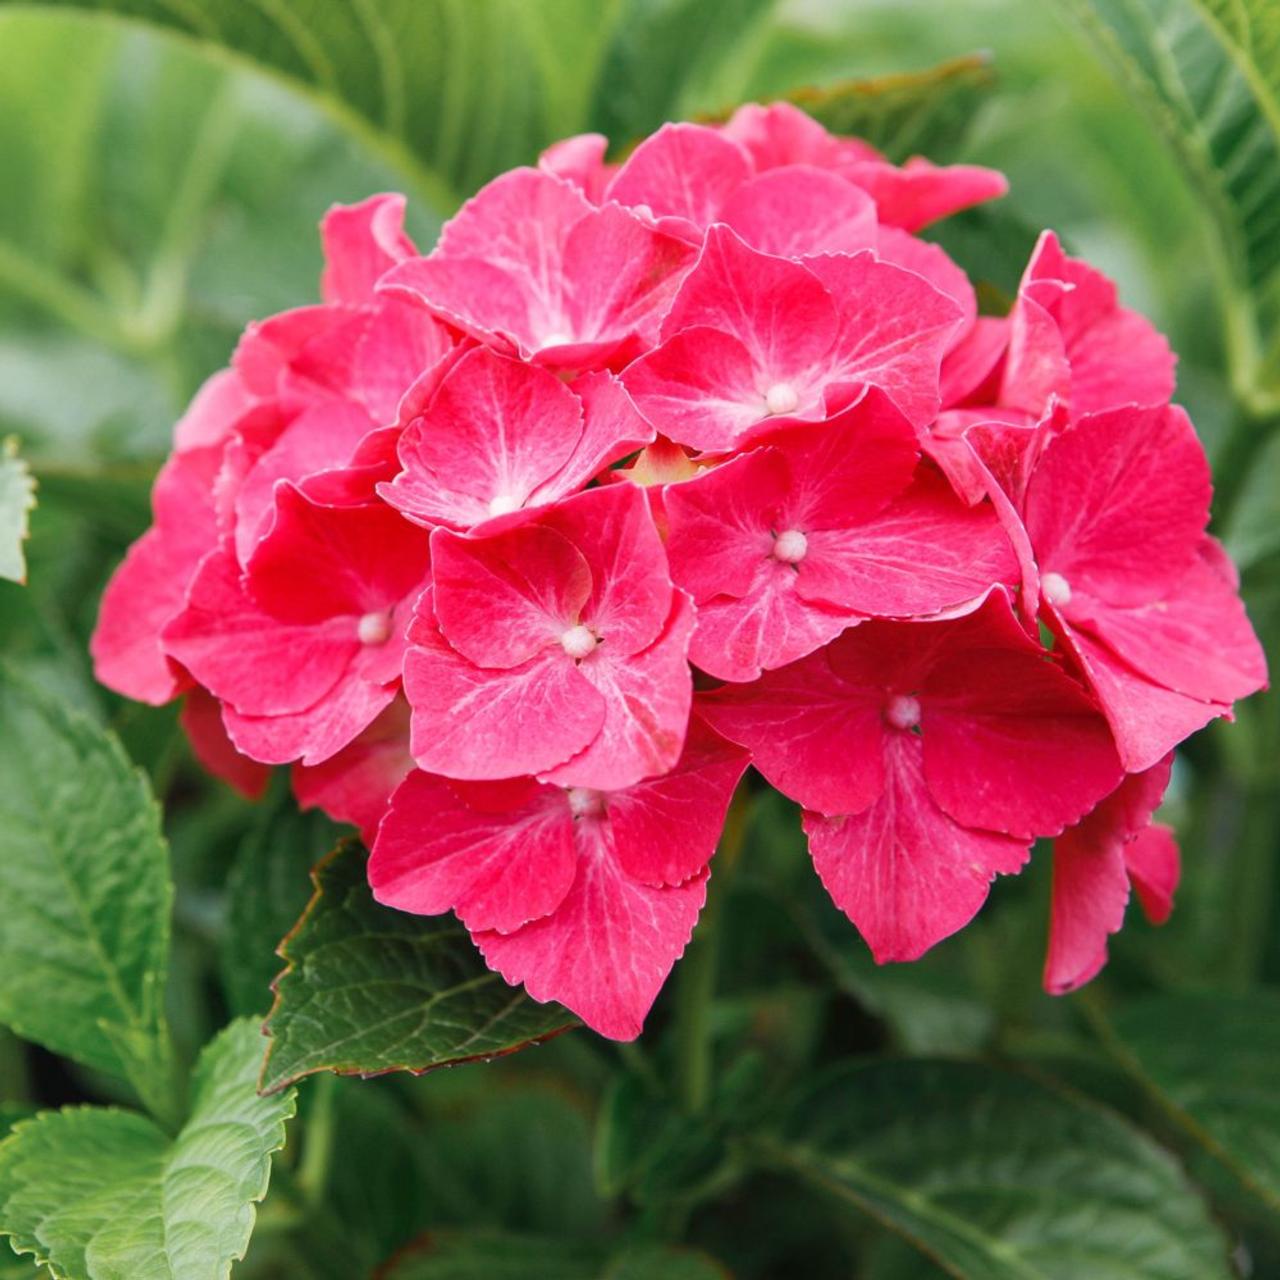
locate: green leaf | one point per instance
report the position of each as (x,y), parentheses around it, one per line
(85,881)
(105,1194)
(267,890)
(1208,74)
(369,989)
(445,1256)
(452,90)
(911,113)
(1211,1061)
(997,1178)
(17,499)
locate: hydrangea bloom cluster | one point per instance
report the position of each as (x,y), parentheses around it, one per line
(520,552)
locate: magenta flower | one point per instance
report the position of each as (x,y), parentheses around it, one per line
(586,897)
(927,756)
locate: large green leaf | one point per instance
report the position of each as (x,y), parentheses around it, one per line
(1208,73)
(17,497)
(453,90)
(84,876)
(1213,1060)
(369,989)
(997,1178)
(100,1194)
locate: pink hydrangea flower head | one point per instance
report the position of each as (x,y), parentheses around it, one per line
(557,647)
(927,756)
(752,340)
(586,897)
(531,268)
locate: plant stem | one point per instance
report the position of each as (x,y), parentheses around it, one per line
(697,980)
(317,1149)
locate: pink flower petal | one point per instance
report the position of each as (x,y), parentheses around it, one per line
(919,192)
(931,261)
(902,871)
(496,867)
(1113,482)
(682,175)
(355,785)
(480,723)
(646,696)
(580,160)
(361,241)
(666,829)
(797,211)
(1154,867)
(201,720)
(610,945)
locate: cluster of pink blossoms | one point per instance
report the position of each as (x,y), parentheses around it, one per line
(521,551)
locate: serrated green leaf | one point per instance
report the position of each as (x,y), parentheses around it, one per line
(997,1178)
(99,1194)
(17,500)
(1208,74)
(267,890)
(84,874)
(369,989)
(490,1257)
(1211,1060)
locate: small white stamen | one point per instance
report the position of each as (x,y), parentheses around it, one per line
(644,211)
(1057,590)
(790,546)
(782,397)
(374,628)
(502,504)
(585,803)
(557,339)
(579,641)
(903,711)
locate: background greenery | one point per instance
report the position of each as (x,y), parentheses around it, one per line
(160,184)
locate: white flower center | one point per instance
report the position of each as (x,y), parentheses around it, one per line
(374,628)
(579,641)
(557,338)
(790,546)
(585,803)
(782,397)
(502,504)
(903,711)
(1057,590)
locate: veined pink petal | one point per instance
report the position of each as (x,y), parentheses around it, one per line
(970,368)
(496,430)
(646,696)
(213,412)
(666,828)
(361,241)
(905,873)
(580,161)
(608,948)
(1011,743)
(798,210)
(496,867)
(901,249)
(1116,481)
(400,341)
(475,722)
(893,328)
(501,600)
(816,736)
(682,175)
(631,592)
(782,134)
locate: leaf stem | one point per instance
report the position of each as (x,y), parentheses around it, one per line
(698,972)
(318,1137)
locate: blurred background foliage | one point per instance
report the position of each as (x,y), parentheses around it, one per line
(156,193)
